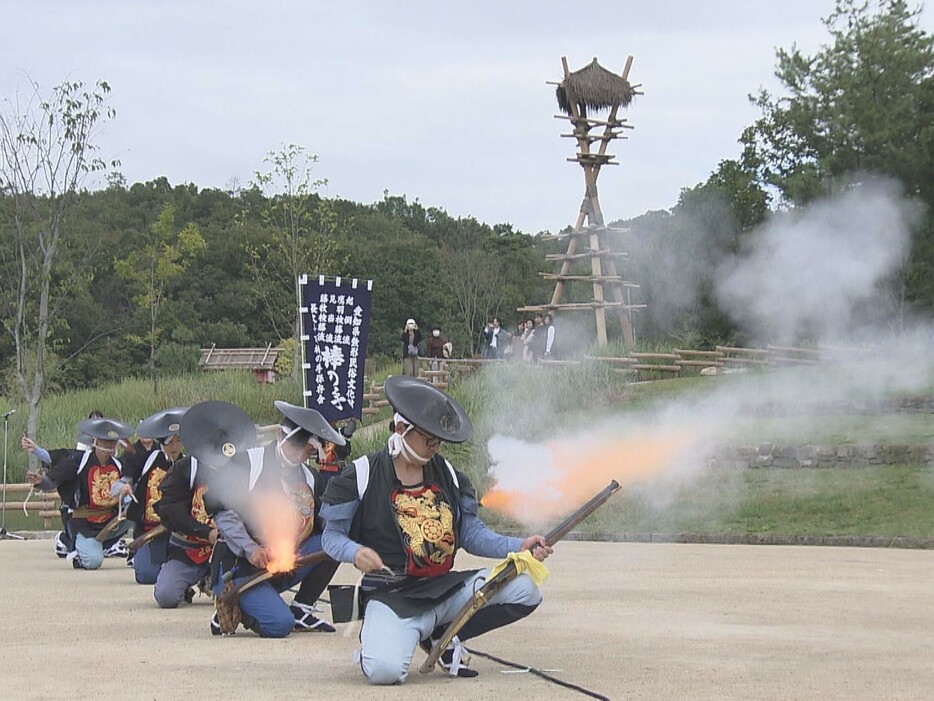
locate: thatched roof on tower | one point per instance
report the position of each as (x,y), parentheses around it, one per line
(594,86)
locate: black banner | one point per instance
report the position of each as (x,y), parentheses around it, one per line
(335,323)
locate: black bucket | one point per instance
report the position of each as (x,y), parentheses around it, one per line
(342,600)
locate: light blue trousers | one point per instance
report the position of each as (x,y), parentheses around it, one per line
(389,642)
(91,550)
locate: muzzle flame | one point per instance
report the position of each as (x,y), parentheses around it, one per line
(280,526)
(562,474)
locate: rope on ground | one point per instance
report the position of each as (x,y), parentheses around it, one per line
(538,672)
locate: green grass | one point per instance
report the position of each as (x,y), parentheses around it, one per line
(16,521)
(895,429)
(870,501)
(132,400)
(885,501)
(532,402)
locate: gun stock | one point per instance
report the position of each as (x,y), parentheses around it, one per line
(492,586)
(151,534)
(231,597)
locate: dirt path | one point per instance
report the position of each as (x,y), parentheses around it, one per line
(626,620)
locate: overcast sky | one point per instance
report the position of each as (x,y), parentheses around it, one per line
(444,102)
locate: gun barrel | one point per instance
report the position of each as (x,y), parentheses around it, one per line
(566,526)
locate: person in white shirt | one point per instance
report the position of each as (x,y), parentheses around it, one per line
(550,350)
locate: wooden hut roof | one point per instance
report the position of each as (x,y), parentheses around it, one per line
(239,358)
(594,86)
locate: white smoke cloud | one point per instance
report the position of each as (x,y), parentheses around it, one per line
(819,274)
(817,271)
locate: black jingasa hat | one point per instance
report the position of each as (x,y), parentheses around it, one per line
(216,432)
(428,408)
(310,420)
(106,429)
(162,424)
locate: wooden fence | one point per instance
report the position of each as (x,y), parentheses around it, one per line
(44,504)
(635,365)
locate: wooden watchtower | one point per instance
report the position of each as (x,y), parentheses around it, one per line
(582,95)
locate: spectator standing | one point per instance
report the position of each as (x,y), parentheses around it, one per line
(528,336)
(518,347)
(436,345)
(494,337)
(550,348)
(411,338)
(539,339)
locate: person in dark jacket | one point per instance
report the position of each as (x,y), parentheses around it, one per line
(436,343)
(214,434)
(539,339)
(94,474)
(400,515)
(495,340)
(411,338)
(143,474)
(267,516)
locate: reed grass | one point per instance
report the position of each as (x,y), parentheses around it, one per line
(530,402)
(132,400)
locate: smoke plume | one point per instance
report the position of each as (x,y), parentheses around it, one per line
(824,274)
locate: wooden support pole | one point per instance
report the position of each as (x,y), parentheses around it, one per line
(590,123)
(585,254)
(602,271)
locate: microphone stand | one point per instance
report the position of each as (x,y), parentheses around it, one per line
(4,534)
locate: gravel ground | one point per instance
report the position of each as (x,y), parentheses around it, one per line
(623,620)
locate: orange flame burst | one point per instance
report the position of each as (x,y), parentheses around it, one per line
(280,526)
(581,468)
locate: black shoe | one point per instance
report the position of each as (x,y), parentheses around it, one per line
(305,619)
(216,626)
(454,659)
(61,547)
(118,549)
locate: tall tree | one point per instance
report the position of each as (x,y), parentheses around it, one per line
(677,254)
(163,257)
(301,227)
(864,103)
(47,151)
(477,283)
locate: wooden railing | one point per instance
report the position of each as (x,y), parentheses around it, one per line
(634,365)
(43,504)
(375,400)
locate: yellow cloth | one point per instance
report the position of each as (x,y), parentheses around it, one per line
(524,563)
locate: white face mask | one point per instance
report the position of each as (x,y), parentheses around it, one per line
(436,333)
(288,453)
(398,444)
(104,449)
